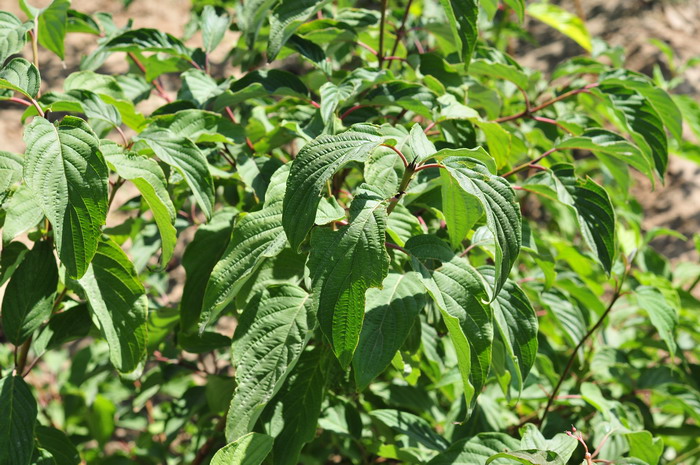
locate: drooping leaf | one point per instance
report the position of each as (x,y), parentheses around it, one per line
(21,76)
(57,443)
(29,295)
(458,291)
(118,301)
(662,314)
(461,210)
(270,337)
(412,426)
(183,155)
(516,328)
(567,23)
(66,172)
(462,16)
(52,24)
(250,449)
(343,265)
(390,312)
(292,415)
(18,412)
(499,202)
(149,179)
(286,18)
(213,25)
(256,237)
(315,164)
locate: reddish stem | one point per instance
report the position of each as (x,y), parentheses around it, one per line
(528,111)
(530,164)
(26,103)
(367,47)
(429,165)
(230,115)
(389,245)
(398,152)
(155,82)
(352,109)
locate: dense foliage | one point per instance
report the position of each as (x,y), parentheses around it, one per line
(429,253)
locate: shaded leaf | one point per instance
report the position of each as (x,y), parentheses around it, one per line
(18,412)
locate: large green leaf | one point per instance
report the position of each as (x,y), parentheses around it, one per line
(516,328)
(641,120)
(183,155)
(21,76)
(389,315)
(292,415)
(52,26)
(250,449)
(256,237)
(57,443)
(65,170)
(199,259)
(286,18)
(461,210)
(17,419)
(476,450)
(22,212)
(269,338)
(458,291)
(118,301)
(500,205)
(315,164)
(603,141)
(253,14)
(663,315)
(590,203)
(29,295)
(462,16)
(13,35)
(343,265)
(149,179)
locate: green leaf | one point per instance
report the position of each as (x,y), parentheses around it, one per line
(461,210)
(567,23)
(603,141)
(419,144)
(52,26)
(476,450)
(458,291)
(590,203)
(389,315)
(642,122)
(407,95)
(493,69)
(18,412)
(500,205)
(644,446)
(332,96)
(343,265)
(21,76)
(65,170)
(148,40)
(22,212)
(315,164)
(412,426)
(462,16)
(270,337)
(530,457)
(29,295)
(516,328)
(10,172)
(183,155)
(250,449)
(58,444)
(292,415)
(149,179)
(118,301)
(213,26)
(286,18)
(662,314)
(13,35)
(201,126)
(199,258)
(256,237)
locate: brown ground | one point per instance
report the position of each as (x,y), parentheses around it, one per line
(629,23)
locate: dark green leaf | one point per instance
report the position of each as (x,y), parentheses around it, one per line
(58,444)
(17,419)
(412,426)
(286,18)
(476,450)
(462,16)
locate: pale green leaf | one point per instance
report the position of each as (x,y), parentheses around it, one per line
(250,449)
(663,315)
(567,23)
(118,301)
(52,26)
(213,26)
(462,16)
(530,457)
(21,76)
(412,426)
(22,212)
(268,341)
(476,450)
(461,210)
(13,35)
(646,447)
(65,170)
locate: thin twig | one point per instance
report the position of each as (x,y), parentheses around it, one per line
(399,153)
(206,448)
(380,54)
(402,28)
(429,165)
(528,111)
(156,83)
(530,164)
